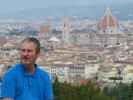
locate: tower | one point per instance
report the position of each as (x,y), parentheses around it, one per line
(66,31)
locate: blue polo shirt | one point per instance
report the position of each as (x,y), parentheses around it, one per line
(17,84)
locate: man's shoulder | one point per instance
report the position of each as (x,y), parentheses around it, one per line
(43,73)
(13,71)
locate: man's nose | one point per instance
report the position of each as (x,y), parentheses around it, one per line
(24,53)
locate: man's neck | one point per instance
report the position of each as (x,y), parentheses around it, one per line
(30,68)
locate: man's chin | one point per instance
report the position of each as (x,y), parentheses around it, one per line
(25,62)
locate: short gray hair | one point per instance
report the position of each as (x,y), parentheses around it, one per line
(33,40)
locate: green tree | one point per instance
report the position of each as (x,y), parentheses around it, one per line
(89,91)
(130,92)
(57,89)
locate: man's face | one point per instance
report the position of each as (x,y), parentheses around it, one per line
(28,53)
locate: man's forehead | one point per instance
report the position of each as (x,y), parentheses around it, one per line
(27,44)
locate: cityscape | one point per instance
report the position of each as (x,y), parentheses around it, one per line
(75,49)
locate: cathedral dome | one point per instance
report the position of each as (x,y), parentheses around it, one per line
(107,22)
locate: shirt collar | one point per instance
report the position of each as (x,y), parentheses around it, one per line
(26,74)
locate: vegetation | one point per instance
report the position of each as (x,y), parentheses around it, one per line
(121,91)
(89,91)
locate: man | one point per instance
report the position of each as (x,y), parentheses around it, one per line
(26,81)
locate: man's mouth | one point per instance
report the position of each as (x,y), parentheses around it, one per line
(25,58)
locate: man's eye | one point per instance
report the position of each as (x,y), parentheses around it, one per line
(22,50)
(29,50)
(25,50)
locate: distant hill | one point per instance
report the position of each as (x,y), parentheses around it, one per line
(122,12)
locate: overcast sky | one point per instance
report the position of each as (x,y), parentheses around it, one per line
(8,6)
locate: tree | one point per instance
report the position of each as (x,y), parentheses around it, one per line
(89,91)
(57,89)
